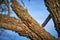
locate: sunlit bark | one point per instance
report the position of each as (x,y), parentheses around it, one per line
(53,7)
(17,25)
(25,25)
(29,21)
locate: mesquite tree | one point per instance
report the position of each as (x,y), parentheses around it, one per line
(26,25)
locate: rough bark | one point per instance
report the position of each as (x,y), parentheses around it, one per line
(53,7)
(17,25)
(31,23)
(25,25)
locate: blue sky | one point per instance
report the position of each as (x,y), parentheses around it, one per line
(38,11)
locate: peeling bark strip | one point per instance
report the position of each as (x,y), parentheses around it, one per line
(53,7)
(31,23)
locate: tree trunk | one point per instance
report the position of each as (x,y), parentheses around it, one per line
(53,7)
(25,25)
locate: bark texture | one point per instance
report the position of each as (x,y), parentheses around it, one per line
(17,25)
(53,7)
(25,25)
(31,23)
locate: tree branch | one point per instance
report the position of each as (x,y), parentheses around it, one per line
(53,7)
(46,21)
(32,24)
(17,25)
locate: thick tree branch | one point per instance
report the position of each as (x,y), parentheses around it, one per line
(25,25)
(53,7)
(31,23)
(18,26)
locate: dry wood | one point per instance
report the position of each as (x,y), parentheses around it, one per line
(25,25)
(53,7)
